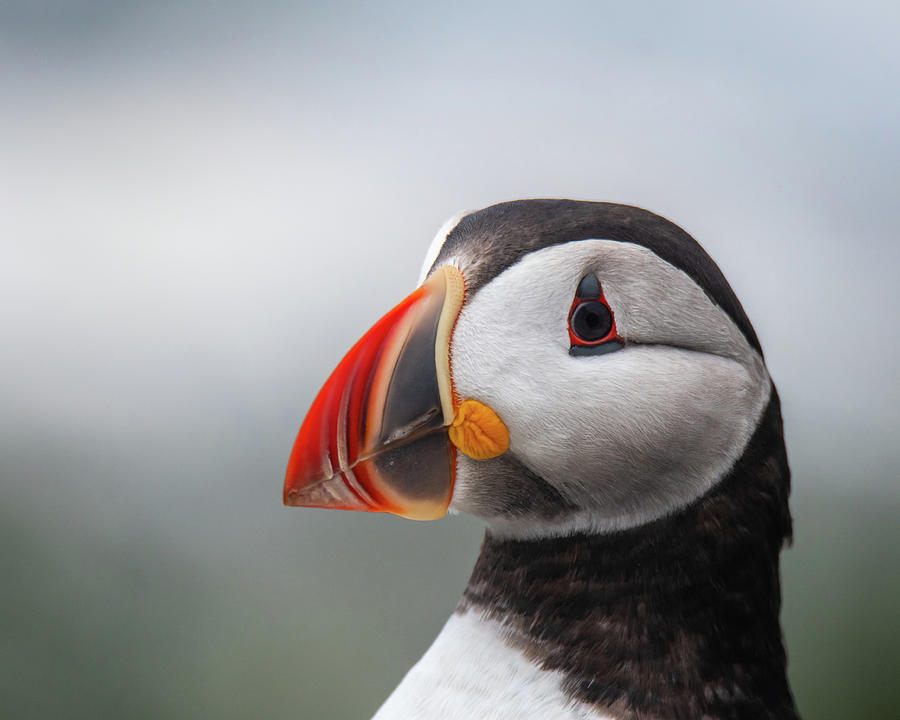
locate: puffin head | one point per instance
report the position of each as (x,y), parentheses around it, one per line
(563,367)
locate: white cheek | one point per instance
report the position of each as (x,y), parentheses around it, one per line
(657,417)
(629,435)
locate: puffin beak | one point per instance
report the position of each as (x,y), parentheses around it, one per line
(376,437)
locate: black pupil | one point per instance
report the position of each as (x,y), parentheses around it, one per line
(591,321)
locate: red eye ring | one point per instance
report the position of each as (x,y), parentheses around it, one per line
(591,319)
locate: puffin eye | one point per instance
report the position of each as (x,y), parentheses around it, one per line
(591,321)
(592,326)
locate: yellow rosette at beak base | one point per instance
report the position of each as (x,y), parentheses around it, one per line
(477,431)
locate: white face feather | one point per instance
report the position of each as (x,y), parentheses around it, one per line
(439,239)
(625,437)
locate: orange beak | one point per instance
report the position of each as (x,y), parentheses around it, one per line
(375,438)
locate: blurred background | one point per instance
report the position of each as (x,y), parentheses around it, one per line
(203,204)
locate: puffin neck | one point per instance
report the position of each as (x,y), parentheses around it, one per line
(674,619)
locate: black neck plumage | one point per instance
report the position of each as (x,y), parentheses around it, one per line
(677,619)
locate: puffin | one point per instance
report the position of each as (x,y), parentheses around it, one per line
(582,378)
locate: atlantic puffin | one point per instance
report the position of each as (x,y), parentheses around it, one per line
(581,377)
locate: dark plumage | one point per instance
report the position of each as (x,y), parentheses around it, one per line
(677,619)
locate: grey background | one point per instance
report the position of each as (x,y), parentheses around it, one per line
(203,204)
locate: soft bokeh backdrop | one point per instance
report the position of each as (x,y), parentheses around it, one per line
(203,204)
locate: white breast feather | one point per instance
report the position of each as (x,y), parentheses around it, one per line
(471,672)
